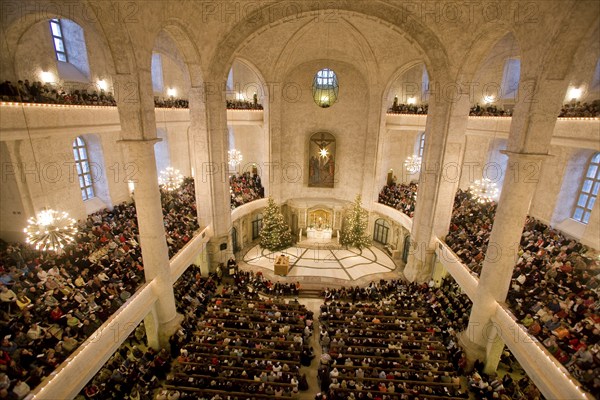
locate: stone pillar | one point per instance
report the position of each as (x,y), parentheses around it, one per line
(372,173)
(531,130)
(200,160)
(493,351)
(438,181)
(155,253)
(219,247)
(521,179)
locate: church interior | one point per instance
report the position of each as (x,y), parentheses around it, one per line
(334,200)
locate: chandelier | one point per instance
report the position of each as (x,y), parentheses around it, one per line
(170,179)
(413,164)
(484,190)
(50,230)
(234,157)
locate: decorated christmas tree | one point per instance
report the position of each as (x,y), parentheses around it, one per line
(355,226)
(275,234)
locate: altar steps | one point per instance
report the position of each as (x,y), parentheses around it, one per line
(311,293)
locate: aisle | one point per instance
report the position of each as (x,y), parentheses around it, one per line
(313,305)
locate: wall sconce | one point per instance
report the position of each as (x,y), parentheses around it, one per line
(575,93)
(47,77)
(489,99)
(102,84)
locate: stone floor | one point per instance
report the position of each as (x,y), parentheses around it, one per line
(322,264)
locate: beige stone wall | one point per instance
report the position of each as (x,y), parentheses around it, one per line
(346,120)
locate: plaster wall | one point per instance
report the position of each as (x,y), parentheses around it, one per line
(346,120)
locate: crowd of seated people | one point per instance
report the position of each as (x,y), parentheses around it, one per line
(47,93)
(554,293)
(400,196)
(470,229)
(489,111)
(257,283)
(408,108)
(170,102)
(51,302)
(137,372)
(494,386)
(240,345)
(399,343)
(51,93)
(554,286)
(585,110)
(245,188)
(243,105)
(180,215)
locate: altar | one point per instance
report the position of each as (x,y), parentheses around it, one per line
(282,265)
(316,233)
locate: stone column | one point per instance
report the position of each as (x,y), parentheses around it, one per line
(521,179)
(200,160)
(155,253)
(531,130)
(438,181)
(219,247)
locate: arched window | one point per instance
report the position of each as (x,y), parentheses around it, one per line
(510,78)
(421,144)
(588,191)
(80,152)
(157,73)
(381,231)
(256,226)
(234,240)
(69,44)
(325,88)
(58,40)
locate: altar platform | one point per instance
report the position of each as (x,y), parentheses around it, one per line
(324,263)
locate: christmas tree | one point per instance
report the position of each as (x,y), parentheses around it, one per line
(275,234)
(355,226)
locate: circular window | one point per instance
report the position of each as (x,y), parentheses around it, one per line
(325,88)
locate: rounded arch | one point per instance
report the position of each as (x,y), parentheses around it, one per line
(397,74)
(117,45)
(284,63)
(580,73)
(381,231)
(484,41)
(577,24)
(261,84)
(397,17)
(16,32)
(179,32)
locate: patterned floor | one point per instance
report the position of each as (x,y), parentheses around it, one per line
(325,261)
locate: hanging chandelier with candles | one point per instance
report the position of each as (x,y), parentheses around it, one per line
(413,164)
(50,230)
(484,190)
(234,157)
(170,179)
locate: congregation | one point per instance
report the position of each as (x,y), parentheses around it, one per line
(569,110)
(402,197)
(392,341)
(245,188)
(579,110)
(51,302)
(243,105)
(554,285)
(399,342)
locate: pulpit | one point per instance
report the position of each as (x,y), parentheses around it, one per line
(282,265)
